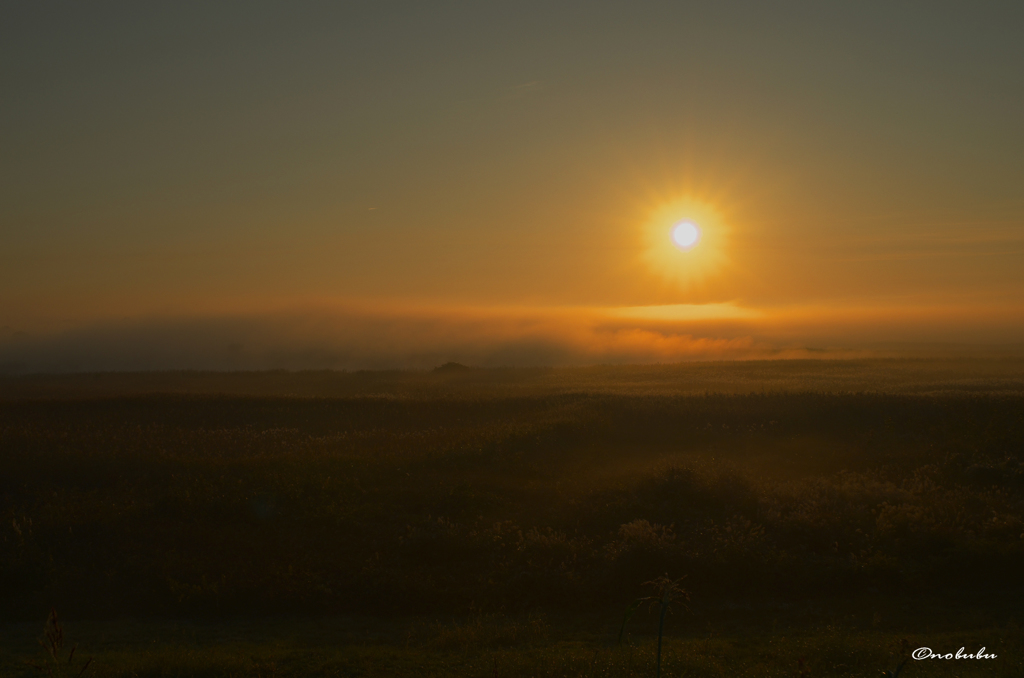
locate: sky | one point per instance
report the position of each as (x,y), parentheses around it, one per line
(393,184)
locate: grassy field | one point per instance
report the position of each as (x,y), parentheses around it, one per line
(827,517)
(487,647)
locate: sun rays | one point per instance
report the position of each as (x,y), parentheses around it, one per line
(685,241)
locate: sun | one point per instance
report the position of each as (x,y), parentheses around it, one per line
(685,241)
(686,235)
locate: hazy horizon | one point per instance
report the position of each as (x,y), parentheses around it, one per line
(369,338)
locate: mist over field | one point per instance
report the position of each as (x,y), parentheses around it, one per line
(444,522)
(425,338)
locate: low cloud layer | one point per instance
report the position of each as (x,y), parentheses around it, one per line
(415,339)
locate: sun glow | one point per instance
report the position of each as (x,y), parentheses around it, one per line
(685,241)
(686,235)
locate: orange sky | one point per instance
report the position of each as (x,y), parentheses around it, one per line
(499,183)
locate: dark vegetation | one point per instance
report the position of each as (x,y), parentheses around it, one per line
(556,504)
(228,505)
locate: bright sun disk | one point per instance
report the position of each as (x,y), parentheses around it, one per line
(685,235)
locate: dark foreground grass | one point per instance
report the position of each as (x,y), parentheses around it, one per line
(444,534)
(501,646)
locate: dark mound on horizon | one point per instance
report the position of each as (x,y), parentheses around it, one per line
(452,367)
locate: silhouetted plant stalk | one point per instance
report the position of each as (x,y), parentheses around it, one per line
(53,642)
(667,591)
(903,652)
